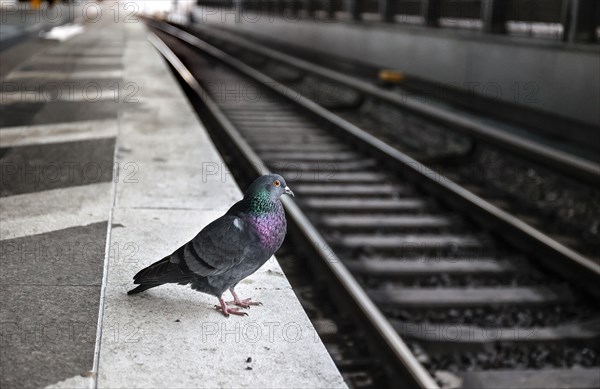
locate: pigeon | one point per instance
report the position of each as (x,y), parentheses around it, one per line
(227,250)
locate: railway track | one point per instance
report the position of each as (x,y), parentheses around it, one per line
(545,177)
(573,156)
(444,281)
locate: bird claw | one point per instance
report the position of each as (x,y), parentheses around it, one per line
(230,310)
(245,303)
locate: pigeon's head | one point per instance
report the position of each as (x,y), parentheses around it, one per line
(273,184)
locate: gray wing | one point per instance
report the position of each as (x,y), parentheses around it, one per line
(220,246)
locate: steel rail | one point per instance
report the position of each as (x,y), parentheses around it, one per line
(550,253)
(570,164)
(388,337)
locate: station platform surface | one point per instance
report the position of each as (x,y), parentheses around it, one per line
(106,169)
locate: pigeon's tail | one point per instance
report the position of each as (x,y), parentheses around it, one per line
(142,288)
(159,273)
(153,273)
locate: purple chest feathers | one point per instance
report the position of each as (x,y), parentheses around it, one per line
(271,228)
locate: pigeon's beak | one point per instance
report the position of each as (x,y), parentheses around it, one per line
(288,191)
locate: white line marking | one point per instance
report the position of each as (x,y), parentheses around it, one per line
(67,75)
(41,59)
(91,95)
(51,210)
(56,133)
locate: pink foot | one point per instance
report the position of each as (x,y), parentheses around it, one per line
(245,303)
(229,310)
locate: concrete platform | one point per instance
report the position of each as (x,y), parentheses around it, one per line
(71,241)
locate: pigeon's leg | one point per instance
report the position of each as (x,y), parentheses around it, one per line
(245,303)
(227,310)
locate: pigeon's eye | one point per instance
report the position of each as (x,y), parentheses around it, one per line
(277,183)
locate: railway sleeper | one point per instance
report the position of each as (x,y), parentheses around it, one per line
(342,204)
(310,156)
(582,378)
(330,167)
(472,297)
(288,138)
(281,127)
(336,189)
(394,267)
(330,147)
(461,244)
(423,222)
(438,338)
(315,176)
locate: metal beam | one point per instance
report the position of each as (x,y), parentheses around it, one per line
(311,7)
(291,8)
(579,21)
(493,15)
(387,10)
(279,7)
(330,9)
(430,11)
(353,7)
